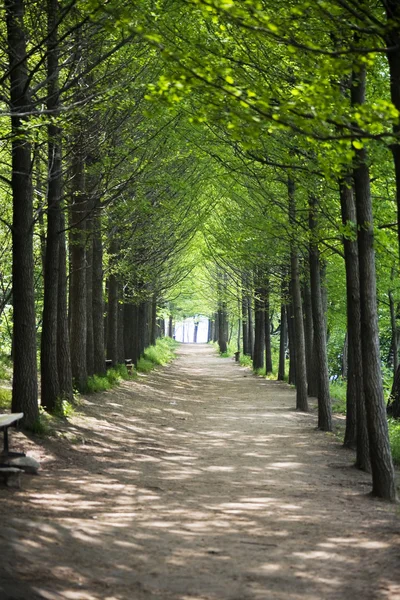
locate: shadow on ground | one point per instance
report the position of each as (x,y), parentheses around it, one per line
(197,483)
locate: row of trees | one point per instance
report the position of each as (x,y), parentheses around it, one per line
(261,140)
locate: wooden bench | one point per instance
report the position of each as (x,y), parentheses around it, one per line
(10,474)
(129,365)
(6,421)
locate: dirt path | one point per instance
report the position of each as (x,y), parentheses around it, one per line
(197,482)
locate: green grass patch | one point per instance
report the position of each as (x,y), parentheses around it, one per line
(101,383)
(245,361)
(162,353)
(338,390)
(5,399)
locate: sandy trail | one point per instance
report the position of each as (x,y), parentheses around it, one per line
(196,482)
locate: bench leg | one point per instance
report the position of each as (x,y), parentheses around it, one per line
(6,453)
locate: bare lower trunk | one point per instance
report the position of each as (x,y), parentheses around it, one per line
(383,481)
(97,298)
(312,375)
(282,344)
(268,349)
(356,420)
(324,402)
(301,371)
(63,343)
(259,330)
(78,270)
(25,387)
(112,320)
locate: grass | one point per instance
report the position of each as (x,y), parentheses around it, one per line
(101,383)
(394,436)
(5,399)
(162,353)
(338,395)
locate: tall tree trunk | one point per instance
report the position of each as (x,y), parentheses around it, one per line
(383,481)
(324,401)
(89,300)
(356,420)
(50,389)
(245,325)
(259,329)
(78,319)
(283,337)
(268,350)
(97,298)
(292,340)
(153,324)
(393,323)
(112,319)
(63,342)
(301,371)
(120,332)
(130,331)
(171,326)
(222,328)
(216,327)
(312,376)
(250,330)
(282,344)
(393,57)
(25,387)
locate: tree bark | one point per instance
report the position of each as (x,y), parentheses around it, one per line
(312,376)
(63,342)
(283,334)
(356,420)
(25,386)
(245,325)
(153,324)
(292,340)
(112,319)
(301,371)
(267,324)
(259,329)
(383,481)
(78,318)
(89,300)
(50,389)
(250,329)
(324,401)
(97,298)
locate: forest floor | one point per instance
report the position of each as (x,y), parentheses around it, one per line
(198,481)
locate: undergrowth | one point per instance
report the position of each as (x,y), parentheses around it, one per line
(338,391)
(161,354)
(5,399)
(394,436)
(101,383)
